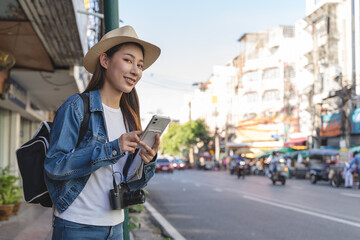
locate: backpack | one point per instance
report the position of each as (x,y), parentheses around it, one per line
(31,156)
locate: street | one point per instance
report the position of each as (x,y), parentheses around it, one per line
(217,205)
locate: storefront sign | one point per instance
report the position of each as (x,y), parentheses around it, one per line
(330,125)
(355,121)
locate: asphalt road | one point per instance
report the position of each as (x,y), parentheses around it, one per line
(215,205)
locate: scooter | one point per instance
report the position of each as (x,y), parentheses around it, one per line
(241,170)
(278,174)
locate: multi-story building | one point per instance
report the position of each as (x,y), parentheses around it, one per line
(41,52)
(267,96)
(214,101)
(333,61)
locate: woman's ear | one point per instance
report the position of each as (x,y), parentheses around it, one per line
(103,60)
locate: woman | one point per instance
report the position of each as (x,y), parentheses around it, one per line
(79,179)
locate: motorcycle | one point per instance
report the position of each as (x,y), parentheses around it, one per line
(278,173)
(240,169)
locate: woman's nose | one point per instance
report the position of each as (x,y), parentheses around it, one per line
(135,70)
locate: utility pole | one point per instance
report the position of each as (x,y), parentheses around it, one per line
(189,110)
(287,106)
(111,15)
(316,116)
(111,20)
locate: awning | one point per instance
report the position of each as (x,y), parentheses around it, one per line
(296,142)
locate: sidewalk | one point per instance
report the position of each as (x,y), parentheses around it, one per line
(34,222)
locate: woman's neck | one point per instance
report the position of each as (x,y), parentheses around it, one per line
(110,97)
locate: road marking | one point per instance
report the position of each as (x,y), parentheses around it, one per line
(218,190)
(163,222)
(197,184)
(335,219)
(350,194)
(296,187)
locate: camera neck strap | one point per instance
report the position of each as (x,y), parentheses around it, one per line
(128,163)
(129,160)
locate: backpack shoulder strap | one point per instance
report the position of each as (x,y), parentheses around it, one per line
(85,123)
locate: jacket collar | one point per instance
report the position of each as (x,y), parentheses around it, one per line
(95,101)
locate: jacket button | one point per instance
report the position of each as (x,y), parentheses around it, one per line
(114,152)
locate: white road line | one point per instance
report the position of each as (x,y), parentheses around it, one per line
(335,219)
(296,187)
(218,190)
(164,223)
(197,184)
(350,194)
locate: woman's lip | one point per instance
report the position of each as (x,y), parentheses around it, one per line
(129,81)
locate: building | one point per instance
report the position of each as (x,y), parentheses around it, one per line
(267,95)
(333,62)
(47,41)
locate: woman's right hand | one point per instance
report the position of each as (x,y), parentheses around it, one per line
(129,141)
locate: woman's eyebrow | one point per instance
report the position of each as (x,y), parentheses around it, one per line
(129,54)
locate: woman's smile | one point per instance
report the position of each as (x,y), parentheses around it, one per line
(130,81)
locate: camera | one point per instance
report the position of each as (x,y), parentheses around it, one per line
(121,197)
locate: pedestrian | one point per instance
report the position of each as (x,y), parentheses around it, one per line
(348,176)
(79,179)
(356,161)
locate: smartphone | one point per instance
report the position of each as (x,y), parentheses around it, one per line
(156,125)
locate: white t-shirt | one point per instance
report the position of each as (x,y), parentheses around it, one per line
(92,206)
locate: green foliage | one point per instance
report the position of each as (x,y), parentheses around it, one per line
(134,221)
(170,142)
(10,192)
(182,137)
(136,208)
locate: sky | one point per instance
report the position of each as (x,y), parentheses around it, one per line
(194,36)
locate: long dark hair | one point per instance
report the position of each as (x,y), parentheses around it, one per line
(129,102)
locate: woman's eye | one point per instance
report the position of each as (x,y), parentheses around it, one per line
(140,66)
(127,60)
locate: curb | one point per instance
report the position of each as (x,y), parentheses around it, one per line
(164,224)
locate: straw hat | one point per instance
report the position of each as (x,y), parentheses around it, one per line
(115,37)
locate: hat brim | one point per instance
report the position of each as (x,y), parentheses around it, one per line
(151,52)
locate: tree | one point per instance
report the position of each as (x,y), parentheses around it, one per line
(183,137)
(170,142)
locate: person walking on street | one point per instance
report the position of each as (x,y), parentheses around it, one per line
(79,178)
(348,174)
(356,161)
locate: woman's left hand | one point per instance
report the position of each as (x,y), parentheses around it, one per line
(148,153)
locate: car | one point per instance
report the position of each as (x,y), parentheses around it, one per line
(164,165)
(178,164)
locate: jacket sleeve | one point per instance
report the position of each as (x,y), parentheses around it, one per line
(147,171)
(63,161)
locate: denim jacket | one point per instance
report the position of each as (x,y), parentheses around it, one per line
(68,169)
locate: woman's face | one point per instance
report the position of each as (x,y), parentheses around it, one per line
(124,69)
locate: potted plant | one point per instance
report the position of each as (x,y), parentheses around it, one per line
(9,193)
(18,196)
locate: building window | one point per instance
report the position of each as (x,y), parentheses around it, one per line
(250,77)
(248,116)
(251,97)
(271,73)
(271,95)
